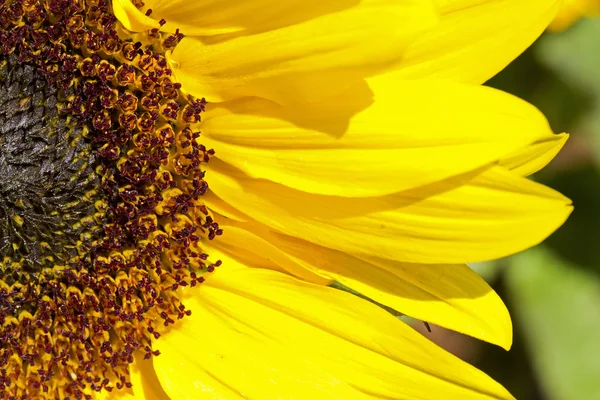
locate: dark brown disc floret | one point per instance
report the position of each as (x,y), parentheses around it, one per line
(101,184)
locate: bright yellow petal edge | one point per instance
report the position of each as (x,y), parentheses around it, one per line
(263,319)
(474,126)
(452,296)
(273,335)
(458,48)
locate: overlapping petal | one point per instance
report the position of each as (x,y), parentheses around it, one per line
(145,383)
(452,296)
(476,39)
(132,18)
(474,217)
(534,157)
(263,334)
(201,18)
(303,62)
(306,41)
(257,251)
(393,144)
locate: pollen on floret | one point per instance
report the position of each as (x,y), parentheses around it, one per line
(101,184)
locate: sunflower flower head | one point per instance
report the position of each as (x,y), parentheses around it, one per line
(351,179)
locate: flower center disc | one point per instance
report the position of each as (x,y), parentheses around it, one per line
(47,179)
(101,217)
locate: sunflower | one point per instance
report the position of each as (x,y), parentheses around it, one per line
(572,11)
(284,177)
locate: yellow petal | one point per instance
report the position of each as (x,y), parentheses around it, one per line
(452,296)
(304,61)
(472,217)
(532,158)
(414,133)
(198,18)
(218,205)
(261,334)
(476,39)
(132,18)
(255,251)
(145,382)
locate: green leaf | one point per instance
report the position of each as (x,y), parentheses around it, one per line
(488,270)
(558,306)
(574,54)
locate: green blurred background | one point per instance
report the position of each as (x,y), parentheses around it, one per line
(553,290)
